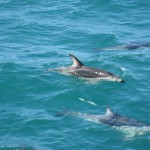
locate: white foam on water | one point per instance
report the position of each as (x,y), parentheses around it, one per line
(131,132)
(123,70)
(87,101)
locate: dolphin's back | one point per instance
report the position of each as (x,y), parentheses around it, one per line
(89,72)
(118,121)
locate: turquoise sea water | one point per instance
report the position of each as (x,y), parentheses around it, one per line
(37,35)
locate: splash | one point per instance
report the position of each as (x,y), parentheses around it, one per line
(123,71)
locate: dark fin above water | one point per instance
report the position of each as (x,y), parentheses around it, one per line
(76,61)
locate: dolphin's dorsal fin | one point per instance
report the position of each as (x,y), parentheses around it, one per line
(109,112)
(76,62)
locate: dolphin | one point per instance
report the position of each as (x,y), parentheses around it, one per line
(109,118)
(130,46)
(135,45)
(78,69)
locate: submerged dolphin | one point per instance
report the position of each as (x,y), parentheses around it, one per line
(130,46)
(135,45)
(110,118)
(80,70)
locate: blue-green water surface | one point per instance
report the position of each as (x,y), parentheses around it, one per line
(39,34)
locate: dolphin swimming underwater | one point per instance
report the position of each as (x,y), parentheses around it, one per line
(129,46)
(109,118)
(80,70)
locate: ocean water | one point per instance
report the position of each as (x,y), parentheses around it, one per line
(38,35)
